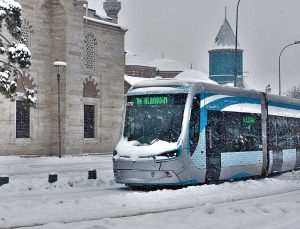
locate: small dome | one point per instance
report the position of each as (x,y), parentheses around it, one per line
(166,65)
(192,75)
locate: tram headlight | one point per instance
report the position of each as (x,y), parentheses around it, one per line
(171,154)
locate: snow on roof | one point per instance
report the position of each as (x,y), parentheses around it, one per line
(105,23)
(95,12)
(138,82)
(133,80)
(164,64)
(192,75)
(225,38)
(98,6)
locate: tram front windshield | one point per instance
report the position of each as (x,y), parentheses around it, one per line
(150,118)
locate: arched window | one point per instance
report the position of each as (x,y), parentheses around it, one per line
(90,88)
(26,80)
(90,43)
(26,30)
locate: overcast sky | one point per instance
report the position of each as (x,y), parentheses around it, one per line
(184,30)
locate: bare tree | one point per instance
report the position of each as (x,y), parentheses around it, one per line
(293,92)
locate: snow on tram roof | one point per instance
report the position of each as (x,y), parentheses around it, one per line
(159,82)
(172,85)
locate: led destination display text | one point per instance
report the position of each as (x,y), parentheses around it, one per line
(249,120)
(158,100)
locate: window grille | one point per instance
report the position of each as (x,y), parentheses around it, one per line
(22,120)
(90,43)
(25,32)
(89,121)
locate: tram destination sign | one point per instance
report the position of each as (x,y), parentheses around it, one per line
(156,100)
(152,100)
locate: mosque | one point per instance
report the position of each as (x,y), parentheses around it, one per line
(92,84)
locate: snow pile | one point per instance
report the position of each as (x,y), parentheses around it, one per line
(30,175)
(269,203)
(192,75)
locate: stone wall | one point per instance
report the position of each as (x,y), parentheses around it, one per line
(140,71)
(58,33)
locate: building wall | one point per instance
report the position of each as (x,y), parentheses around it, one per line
(140,71)
(58,33)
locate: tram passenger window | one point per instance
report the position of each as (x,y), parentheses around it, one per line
(298,132)
(194,125)
(242,132)
(215,130)
(251,132)
(232,131)
(292,138)
(282,132)
(272,136)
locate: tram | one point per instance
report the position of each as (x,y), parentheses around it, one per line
(184,133)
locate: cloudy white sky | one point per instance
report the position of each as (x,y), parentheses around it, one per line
(184,30)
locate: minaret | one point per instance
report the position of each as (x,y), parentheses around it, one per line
(112,9)
(222,56)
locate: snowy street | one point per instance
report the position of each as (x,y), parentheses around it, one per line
(29,201)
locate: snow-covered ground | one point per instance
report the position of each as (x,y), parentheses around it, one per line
(29,201)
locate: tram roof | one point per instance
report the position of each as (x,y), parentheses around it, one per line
(283,99)
(212,88)
(196,87)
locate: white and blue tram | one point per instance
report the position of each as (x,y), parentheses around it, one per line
(180,133)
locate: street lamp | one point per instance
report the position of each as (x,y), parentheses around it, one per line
(236,41)
(59,66)
(295,43)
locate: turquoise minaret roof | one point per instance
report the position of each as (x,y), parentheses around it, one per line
(222,56)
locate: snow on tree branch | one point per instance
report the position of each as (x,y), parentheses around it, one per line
(7,86)
(16,55)
(19,53)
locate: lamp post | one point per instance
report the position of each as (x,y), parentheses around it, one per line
(294,43)
(236,41)
(59,66)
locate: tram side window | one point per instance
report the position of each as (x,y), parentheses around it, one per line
(194,125)
(292,138)
(298,132)
(242,132)
(232,131)
(251,132)
(282,132)
(272,136)
(215,127)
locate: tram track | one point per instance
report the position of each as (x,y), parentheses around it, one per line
(231,199)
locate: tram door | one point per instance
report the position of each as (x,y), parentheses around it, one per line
(213,146)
